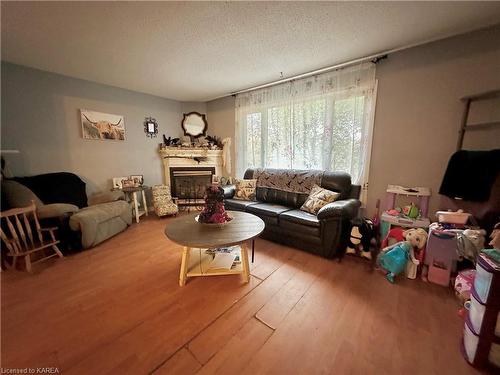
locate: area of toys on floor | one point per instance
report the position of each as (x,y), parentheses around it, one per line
(402,242)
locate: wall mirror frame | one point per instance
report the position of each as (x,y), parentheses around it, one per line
(194,124)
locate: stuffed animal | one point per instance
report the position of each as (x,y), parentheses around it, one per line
(394,258)
(363,238)
(394,235)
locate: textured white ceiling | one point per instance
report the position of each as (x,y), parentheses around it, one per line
(196,51)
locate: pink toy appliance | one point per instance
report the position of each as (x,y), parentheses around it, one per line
(390,217)
(441,256)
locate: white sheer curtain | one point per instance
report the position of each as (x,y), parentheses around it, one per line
(319,122)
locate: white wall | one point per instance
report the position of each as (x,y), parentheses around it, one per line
(41,118)
(418,110)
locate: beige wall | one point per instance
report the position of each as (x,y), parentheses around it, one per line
(418,110)
(40,118)
(221,117)
(199,107)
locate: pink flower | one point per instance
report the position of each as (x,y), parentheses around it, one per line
(218,218)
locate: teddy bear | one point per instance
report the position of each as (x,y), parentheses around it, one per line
(399,257)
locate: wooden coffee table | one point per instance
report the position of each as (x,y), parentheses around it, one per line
(196,238)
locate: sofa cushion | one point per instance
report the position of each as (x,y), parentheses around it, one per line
(105,197)
(18,195)
(285,198)
(267,209)
(47,211)
(60,187)
(268,212)
(237,204)
(300,217)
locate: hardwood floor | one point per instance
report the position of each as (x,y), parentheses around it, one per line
(118,309)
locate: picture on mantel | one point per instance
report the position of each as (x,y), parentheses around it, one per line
(102,126)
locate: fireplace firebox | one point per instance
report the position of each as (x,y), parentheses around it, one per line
(188,184)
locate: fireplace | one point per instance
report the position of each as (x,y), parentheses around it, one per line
(188,184)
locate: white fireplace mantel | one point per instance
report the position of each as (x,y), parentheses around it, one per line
(185,157)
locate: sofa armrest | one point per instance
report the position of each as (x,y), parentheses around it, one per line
(347,208)
(229,191)
(108,196)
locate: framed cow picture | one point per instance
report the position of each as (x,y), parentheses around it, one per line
(98,125)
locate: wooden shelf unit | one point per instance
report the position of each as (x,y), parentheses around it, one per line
(468,100)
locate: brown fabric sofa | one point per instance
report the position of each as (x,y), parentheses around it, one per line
(324,234)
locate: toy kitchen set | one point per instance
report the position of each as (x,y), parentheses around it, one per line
(410,216)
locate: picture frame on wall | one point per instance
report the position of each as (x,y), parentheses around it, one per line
(102,126)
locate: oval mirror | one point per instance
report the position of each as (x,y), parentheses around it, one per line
(194,124)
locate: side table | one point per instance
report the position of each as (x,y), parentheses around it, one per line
(132,193)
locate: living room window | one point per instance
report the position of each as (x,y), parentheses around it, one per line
(321,122)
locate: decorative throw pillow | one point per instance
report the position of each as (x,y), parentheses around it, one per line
(245,190)
(318,197)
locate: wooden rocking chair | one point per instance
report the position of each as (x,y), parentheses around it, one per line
(21,242)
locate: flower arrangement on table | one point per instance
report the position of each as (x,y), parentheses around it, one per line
(214,211)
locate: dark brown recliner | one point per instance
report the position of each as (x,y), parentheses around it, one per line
(325,234)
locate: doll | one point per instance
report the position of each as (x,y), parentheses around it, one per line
(394,258)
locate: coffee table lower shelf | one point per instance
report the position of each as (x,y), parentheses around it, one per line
(196,263)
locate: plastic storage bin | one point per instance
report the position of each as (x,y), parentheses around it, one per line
(487,281)
(484,319)
(458,217)
(481,343)
(479,351)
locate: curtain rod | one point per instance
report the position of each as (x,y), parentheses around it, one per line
(374,58)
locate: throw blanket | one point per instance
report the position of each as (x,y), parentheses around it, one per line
(297,181)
